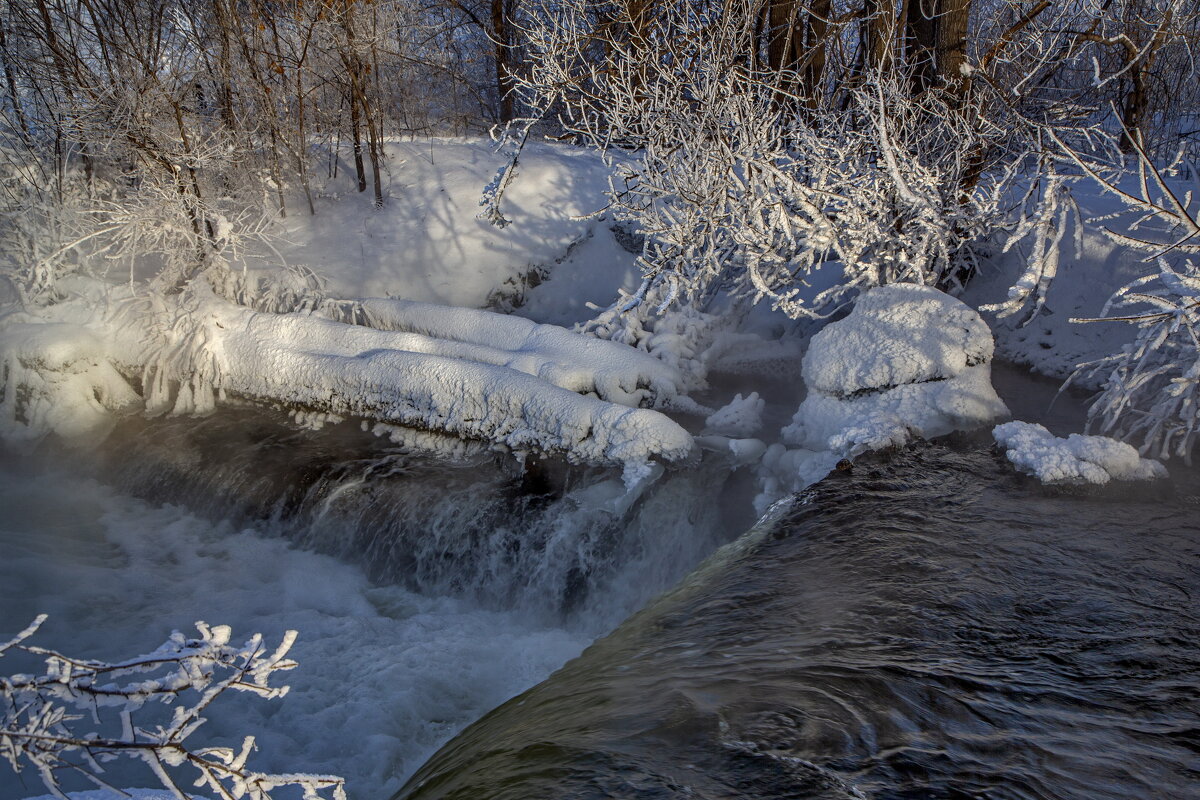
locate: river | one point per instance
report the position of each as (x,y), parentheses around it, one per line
(926,625)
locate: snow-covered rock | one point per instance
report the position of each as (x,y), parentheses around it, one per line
(908,361)
(741,418)
(897,334)
(1075,459)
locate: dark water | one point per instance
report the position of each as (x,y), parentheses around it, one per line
(925,625)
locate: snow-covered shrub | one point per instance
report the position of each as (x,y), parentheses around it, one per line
(1152,391)
(39,714)
(741,190)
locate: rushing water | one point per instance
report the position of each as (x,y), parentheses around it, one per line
(924,625)
(425,590)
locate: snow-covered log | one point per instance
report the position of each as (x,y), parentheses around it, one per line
(584,364)
(472,374)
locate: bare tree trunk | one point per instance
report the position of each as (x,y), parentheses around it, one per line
(814,69)
(951,55)
(11,82)
(501,9)
(921,44)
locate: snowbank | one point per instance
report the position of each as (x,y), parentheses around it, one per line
(1075,459)
(908,361)
(427,242)
(1091,267)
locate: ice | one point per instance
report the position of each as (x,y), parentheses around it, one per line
(1075,459)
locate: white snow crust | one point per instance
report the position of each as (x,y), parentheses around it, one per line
(1075,459)
(897,334)
(908,361)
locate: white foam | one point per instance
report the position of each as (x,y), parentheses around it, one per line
(386,676)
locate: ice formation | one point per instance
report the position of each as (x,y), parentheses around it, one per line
(908,361)
(1075,459)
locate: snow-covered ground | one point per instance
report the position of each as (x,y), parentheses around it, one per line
(1092,266)
(428,244)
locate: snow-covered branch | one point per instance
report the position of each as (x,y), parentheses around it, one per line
(38,714)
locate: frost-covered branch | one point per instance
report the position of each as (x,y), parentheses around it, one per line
(38,713)
(1152,389)
(742,188)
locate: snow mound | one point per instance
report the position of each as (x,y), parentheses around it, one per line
(741,418)
(898,334)
(55,377)
(909,361)
(1075,459)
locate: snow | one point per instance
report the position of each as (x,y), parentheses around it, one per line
(1075,459)
(68,386)
(908,361)
(612,371)
(899,334)
(1048,342)
(427,243)
(499,379)
(740,418)
(513,398)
